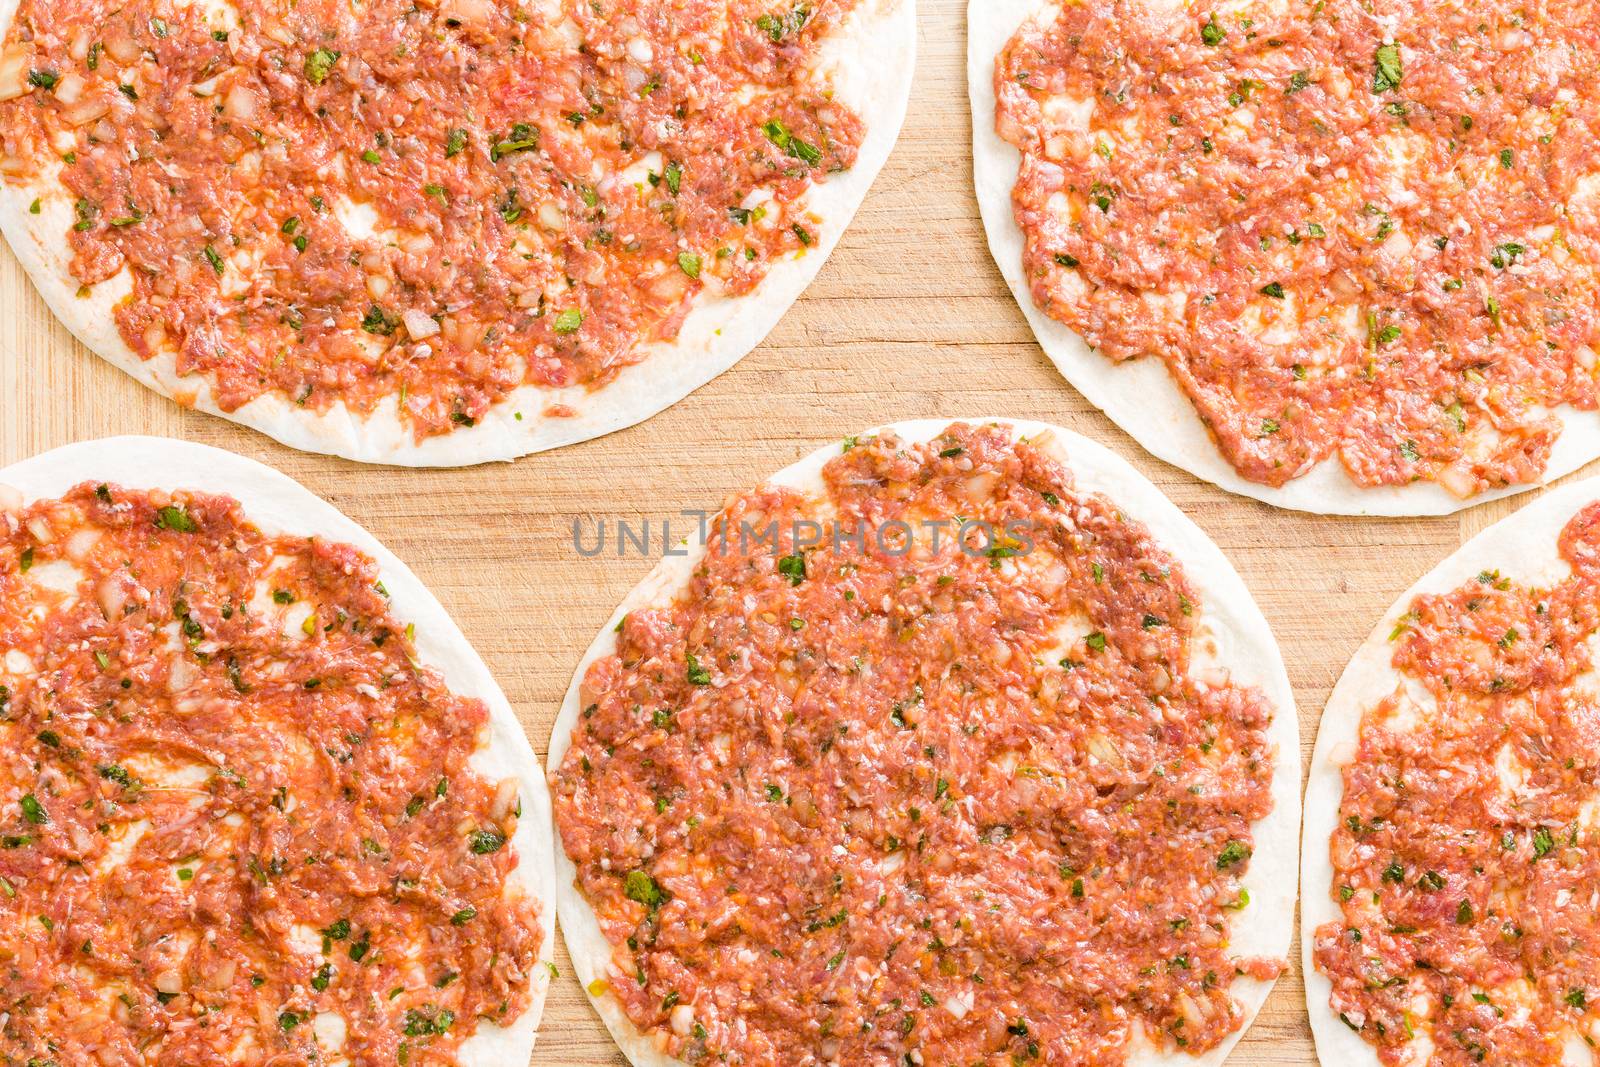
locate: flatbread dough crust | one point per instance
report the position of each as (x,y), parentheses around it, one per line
(1245,644)
(1523,549)
(279,505)
(872,64)
(1140,396)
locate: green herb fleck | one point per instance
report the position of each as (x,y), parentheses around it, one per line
(486,841)
(319,65)
(639,887)
(33,811)
(522,138)
(1386,68)
(175,517)
(793,568)
(1232,854)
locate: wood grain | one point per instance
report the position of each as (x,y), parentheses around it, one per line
(909,319)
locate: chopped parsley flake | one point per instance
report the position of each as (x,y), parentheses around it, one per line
(319,65)
(33,811)
(175,517)
(522,138)
(1386,68)
(639,887)
(1232,854)
(793,568)
(484,842)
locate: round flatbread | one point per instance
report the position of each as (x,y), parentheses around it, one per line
(438,233)
(873,772)
(1293,249)
(253,775)
(1450,845)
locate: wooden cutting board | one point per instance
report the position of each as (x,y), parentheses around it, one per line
(910,318)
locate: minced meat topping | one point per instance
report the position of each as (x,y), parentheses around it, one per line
(1466,857)
(432,203)
(237,820)
(1362,231)
(865,794)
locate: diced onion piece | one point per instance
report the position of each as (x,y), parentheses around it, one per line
(473,14)
(242,103)
(92,109)
(1160,679)
(182,675)
(419,325)
(123,48)
(1194,1012)
(980,487)
(569,33)
(69,90)
(14,72)
(1458,480)
(505,798)
(669,285)
(1102,749)
(80,543)
(277,31)
(223,974)
(112,596)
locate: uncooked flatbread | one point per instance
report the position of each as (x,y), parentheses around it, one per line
(1522,548)
(1140,395)
(872,64)
(277,504)
(1245,645)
